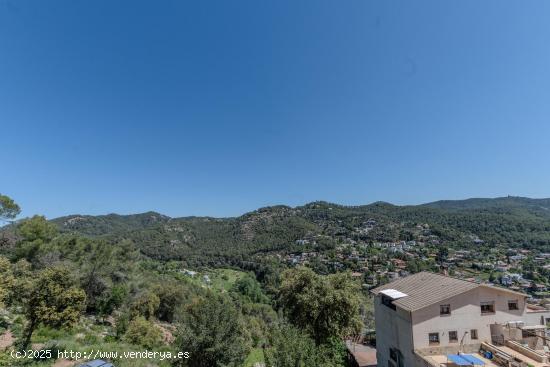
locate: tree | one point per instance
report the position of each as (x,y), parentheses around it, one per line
(37,228)
(111,300)
(324,306)
(290,347)
(96,267)
(7,281)
(213,333)
(104,268)
(8,208)
(53,301)
(146,304)
(250,289)
(35,233)
(442,254)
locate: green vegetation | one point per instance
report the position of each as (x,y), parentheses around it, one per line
(8,208)
(274,285)
(326,307)
(255,356)
(67,290)
(213,332)
(243,241)
(51,300)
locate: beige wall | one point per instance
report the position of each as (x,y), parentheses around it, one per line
(536,318)
(465,316)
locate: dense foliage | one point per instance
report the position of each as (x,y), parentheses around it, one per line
(204,241)
(234,291)
(327,307)
(65,289)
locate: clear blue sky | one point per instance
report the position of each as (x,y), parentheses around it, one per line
(220,107)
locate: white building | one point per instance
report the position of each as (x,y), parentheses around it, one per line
(426,315)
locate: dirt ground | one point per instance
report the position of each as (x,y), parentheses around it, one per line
(6,340)
(64,363)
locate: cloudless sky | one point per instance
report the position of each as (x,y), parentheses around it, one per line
(220,107)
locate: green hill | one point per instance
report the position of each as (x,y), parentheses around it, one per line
(509,221)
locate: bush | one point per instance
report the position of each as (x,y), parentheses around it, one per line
(143,332)
(4,324)
(90,339)
(171,297)
(121,325)
(146,304)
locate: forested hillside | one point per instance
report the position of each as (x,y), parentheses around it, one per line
(507,222)
(90,285)
(124,282)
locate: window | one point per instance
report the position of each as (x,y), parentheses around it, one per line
(444,309)
(453,336)
(387,301)
(513,305)
(396,356)
(393,354)
(433,338)
(487,307)
(473,334)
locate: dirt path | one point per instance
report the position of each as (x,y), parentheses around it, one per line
(6,340)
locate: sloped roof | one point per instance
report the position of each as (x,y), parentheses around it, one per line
(424,289)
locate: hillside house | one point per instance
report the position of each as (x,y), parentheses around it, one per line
(424,318)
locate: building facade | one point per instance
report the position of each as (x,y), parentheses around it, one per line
(428,312)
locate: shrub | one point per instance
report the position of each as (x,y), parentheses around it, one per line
(146,304)
(143,332)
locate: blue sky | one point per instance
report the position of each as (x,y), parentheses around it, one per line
(221,107)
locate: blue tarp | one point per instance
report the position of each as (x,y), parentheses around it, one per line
(475,361)
(458,360)
(465,360)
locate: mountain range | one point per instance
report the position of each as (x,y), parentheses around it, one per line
(505,221)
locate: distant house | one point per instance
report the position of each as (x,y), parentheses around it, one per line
(516,258)
(400,264)
(502,268)
(370,222)
(516,277)
(539,287)
(191,273)
(506,280)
